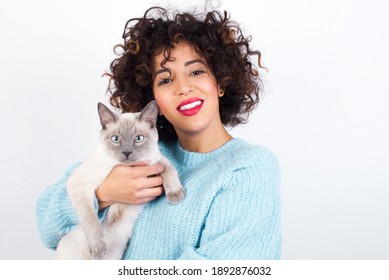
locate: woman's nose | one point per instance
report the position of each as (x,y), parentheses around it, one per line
(184,87)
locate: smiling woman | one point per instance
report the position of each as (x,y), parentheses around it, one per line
(188,96)
(198,70)
(214,41)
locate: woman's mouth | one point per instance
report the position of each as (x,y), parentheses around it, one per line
(190,107)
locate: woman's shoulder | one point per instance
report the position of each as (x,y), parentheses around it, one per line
(234,155)
(255,167)
(251,155)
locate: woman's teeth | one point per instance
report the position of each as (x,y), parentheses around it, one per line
(190,105)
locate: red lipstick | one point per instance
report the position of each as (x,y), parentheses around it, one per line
(190,107)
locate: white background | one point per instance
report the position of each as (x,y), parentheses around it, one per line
(324,114)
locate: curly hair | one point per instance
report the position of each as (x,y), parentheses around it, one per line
(219,40)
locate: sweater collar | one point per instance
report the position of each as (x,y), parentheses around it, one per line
(190,159)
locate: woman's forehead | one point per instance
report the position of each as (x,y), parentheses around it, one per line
(180,51)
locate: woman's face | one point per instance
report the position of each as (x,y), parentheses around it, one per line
(186,91)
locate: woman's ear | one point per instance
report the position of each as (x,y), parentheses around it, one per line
(220,91)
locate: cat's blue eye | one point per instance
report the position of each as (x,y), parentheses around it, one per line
(139,138)
(115,139)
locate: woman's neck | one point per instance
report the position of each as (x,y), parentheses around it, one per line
(204,143)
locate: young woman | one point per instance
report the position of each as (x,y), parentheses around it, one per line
(199,72)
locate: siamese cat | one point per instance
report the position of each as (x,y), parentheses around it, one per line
(124,139)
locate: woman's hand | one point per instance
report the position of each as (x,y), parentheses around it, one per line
(134,184)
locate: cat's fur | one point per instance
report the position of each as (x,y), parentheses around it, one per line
(124,139)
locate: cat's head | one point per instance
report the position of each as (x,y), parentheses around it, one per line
(130,137)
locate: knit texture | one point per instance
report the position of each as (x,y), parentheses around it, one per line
(231,208)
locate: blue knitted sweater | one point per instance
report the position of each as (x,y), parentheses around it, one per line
(231,209)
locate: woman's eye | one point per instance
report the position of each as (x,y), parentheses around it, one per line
(164,81)
(197,72)
(139,138)
(115,139)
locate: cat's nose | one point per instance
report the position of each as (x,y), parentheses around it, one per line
(126,153)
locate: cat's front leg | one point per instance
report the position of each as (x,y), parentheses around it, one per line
(97,245)
(173,188)
(93,231)
(95,241)
(81,194)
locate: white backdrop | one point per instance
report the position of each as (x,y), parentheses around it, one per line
(324,114)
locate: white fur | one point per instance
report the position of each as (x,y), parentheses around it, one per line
(108,239)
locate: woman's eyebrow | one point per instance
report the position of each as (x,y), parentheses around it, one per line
(190,62)
(194,61)
(162,70)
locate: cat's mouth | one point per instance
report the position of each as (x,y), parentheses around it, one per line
(126,160)
(134,161)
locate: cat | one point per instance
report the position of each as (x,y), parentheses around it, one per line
(124,139)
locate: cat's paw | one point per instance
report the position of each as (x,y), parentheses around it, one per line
(98,248)
(175,197)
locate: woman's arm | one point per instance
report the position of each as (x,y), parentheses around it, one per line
(54,214)
(125,184)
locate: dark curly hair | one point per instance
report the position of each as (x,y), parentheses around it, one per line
(213,35)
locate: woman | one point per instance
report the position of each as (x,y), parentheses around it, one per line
(199,72)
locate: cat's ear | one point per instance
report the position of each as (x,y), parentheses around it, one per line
(106,115)
(150,113)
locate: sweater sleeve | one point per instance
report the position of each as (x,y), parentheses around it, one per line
(55,215)
(244,219)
